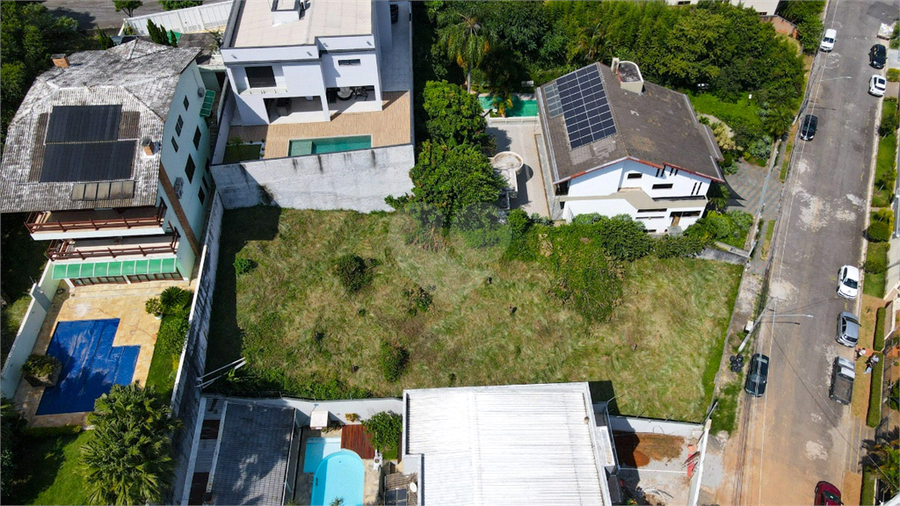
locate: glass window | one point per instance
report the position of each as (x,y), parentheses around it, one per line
(189,168)
(174,144)
(187,103)
(179,125)
(197,136)
(347,63)
(663,186)
(260,77)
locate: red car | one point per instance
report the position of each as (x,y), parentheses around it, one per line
(827,494)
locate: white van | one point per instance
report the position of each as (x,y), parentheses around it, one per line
(828,40)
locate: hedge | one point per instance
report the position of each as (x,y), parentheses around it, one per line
(879,329)
(873,418)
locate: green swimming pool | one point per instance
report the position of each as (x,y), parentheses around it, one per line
(301,147)
(520,107)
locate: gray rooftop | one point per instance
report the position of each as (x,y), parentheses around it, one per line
(252,24)
(252,454)
(138,76)
(657,126)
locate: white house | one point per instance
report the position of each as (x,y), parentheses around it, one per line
(303,61)
(617,145)
(108,152)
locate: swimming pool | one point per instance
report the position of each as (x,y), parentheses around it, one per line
(520,107)
(302,147)
(340,475)
(90,365)
(317,448)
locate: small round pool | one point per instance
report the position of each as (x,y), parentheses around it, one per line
(339,475)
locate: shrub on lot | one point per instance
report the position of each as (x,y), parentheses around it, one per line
(242,265)
(418,299)
(175,300)
(354,272)
(893,75)
(878,231)
(890,117)
(384,429)
(393,359)
(876,265)
(172,332)
(681,246)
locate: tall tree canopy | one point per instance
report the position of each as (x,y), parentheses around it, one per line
(127,5)
(454,116)
(466,40)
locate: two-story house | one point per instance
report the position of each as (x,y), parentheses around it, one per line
(619,145)
(108,153)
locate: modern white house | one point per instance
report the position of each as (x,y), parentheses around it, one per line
(108,153)
(303,61)
(763,7)
(619,145)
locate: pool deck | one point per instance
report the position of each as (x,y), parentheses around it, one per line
(136,328)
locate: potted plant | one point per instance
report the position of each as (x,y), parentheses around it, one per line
(154,307)
(42,370)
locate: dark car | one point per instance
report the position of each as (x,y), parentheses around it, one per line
(877,56)
(808,128)
(827,494)
(758,375)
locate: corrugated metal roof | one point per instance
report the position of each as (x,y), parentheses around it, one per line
(521,444)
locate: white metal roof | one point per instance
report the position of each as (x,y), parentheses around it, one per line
(323,18)
(519,444)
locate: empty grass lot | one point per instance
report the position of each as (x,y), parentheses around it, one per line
(294,322)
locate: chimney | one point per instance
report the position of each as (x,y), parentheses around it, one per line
(147,146)
(615,65)
(630,78)
(60,60)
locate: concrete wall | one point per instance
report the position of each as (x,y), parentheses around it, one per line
(225,118)
(42,295)
(357,180)
(669,428)
(337,410)
(193,19)
(186,395)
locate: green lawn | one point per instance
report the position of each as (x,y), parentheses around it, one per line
(240,153)
(884,183)
(302,334)
(48,472)
(874,282)
(24,263)
(742,112)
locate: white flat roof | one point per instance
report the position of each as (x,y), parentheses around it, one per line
(322,18)
(519,444)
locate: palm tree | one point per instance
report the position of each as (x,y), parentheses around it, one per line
(467,41)
(884,460)
(593,44)
(127,459)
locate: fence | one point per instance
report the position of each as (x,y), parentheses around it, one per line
(193,19)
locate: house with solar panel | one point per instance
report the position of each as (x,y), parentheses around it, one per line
(619,145)
(108,153)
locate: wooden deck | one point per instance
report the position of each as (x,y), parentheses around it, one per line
(354,437)
(389,127)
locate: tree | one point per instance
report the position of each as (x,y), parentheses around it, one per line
(127,5)
(454,117)
(384,429)
(11,424)
(884,461)
(127,459)
(160,35)
(779,120)
(171,5)
(466,41)
(104,41)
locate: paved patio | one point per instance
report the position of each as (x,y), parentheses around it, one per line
(653,467)
(519,136)
(747,186)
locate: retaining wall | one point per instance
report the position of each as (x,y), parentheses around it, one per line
(193,19)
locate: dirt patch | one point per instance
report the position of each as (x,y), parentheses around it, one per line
(638,450)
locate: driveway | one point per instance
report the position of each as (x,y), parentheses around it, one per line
(519,136)
(93,13)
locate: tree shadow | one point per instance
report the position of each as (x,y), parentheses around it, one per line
(86,20)
(41,460)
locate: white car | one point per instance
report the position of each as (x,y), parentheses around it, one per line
(877,85)
(848,282)
(827,43)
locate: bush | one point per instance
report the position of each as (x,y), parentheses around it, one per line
(878,342)
(393,360)
(417,299)
(153,306)
(40,366)
(623,238)
(875,265)
(893,75)
(354,272)
(172,333)
(680,246)
(890,117)
(242,265)
(873,417)
(384,429)
(174,300)
(878,231)
(894,396)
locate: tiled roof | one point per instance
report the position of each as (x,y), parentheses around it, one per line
(140,76)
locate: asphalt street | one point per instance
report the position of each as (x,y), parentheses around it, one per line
(93,13)
(797,434)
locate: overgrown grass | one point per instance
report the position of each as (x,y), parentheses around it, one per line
(241,152)
(884,171)
(726,412)
(867,494)
(491,321)
(875,281)
(767,242)
(743,111)
(48,472)
(786,158)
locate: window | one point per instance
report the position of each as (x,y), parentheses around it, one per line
(260,77)
(174,144)
(663,186)
(197,136)
(202,196)
(348,63)
(187,103)
(634,175)
(179,125)
(189,168)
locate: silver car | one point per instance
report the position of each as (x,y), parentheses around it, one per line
(847,329)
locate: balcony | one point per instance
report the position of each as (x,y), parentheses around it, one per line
(51,225)
(117,247)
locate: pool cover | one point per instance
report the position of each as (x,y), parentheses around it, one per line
(90,365)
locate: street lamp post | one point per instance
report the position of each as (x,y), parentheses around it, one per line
(760,317)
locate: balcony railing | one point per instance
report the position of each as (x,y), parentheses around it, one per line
(114,248)
(64,221)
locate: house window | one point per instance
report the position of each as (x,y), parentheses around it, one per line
(179,125)
(663,186)
(348,63)
(189,168)
(174,144)
(187,103)
(260,77)
(202,196)
(197,136)
(634,175)
(652,210)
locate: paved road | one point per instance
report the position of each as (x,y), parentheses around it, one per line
(796,434)
(92,13)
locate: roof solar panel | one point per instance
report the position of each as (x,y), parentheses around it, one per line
(584,106)
(553,105)
(84,123)
(96,161)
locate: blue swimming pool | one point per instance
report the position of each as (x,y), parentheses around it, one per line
(317,448)
(302,147)
(340,475)
(90,365)
(519,107)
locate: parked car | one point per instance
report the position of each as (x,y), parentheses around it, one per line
(848,282)
(758,375)
(827,494)
(848,329)
(877,56)
(827,43)
(808,128)
(842,376)
(877,85)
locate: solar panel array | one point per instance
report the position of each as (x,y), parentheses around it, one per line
(84,123)
(553,104)
(585,106)
(396,497)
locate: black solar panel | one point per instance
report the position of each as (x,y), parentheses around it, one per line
(553,105)
(95,161)
(584,106)
(84,123)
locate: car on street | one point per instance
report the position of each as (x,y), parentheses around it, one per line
(827,494)
(848,282)
(877,56)
(877,85)
(847,329)
(842,376)
(808,128)
(758,375)
(827,43)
